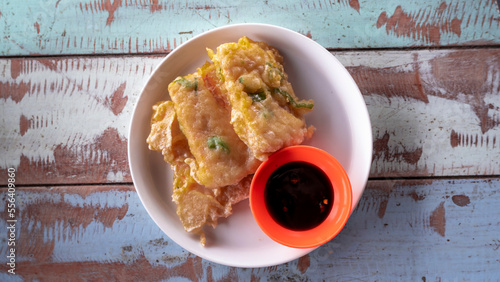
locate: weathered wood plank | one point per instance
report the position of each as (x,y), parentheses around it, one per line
(52,27)
(66,119)
(440,230)
(433,113)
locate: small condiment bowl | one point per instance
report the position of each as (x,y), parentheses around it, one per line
(340,209)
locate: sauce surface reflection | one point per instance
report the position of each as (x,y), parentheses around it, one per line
(299,196)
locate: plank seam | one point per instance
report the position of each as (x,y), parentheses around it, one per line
(69,184)
(365,49)
(445,177)
(450,177)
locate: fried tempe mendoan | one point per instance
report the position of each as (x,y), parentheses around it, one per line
(197,205)
(220,158)
(265,112)
(223,120)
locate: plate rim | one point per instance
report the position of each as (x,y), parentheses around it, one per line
(235,263)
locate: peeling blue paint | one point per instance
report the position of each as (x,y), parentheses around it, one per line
(88,27)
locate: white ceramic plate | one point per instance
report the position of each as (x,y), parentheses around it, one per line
(340,116)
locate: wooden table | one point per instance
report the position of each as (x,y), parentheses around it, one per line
(71,72)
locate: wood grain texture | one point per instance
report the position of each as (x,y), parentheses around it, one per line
(52,27)
(400,230)
(435,116)
(433,113)
(67,119)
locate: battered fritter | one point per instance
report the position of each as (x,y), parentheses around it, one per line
(223,120)
(197,205)
(220,158)
(265,112)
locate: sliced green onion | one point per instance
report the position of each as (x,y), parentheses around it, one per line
(216,143)
(257,97)
(188,84)
(292,101)
(274,69)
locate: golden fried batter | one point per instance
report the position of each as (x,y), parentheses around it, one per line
(220,157)
(265,113)
(223,120)
(166,136)
(197,205)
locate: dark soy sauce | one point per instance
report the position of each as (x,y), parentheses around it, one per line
(298,196)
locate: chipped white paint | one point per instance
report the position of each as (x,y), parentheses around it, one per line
(400,61)
(67,104)
(115,176)
(415,124)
